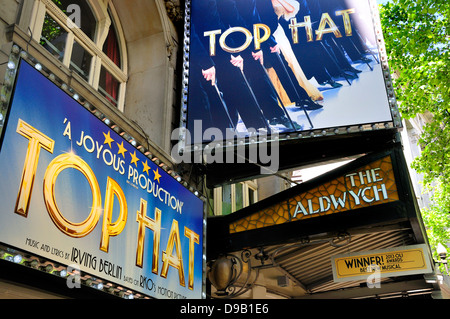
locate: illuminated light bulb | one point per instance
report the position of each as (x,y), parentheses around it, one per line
(76,96)
(99,286)
(63,273)
(38,66)
(11,65)
(17,259)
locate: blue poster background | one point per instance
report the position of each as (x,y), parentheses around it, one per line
(318,59)
(48,109)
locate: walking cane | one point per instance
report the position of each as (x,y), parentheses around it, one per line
(219,94)
(293,86)
(255,100)
(278,96)
(342,52)
(359,52)
(367,48)
(334,59)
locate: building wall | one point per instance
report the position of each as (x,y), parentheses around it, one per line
(270,185)
(413,128)
(8,15)
(150,47)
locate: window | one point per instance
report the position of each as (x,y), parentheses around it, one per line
(80,60)
(111,45)
(53,37)
(88,42)
(231,198)
(109,84)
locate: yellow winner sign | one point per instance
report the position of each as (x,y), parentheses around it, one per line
(391,262)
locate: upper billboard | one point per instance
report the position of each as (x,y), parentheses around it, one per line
(262,67)
(88,198)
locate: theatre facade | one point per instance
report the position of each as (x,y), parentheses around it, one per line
(93,203)
(147,150)
(353,232)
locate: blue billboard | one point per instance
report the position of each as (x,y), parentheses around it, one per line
(88,197)
(269,67)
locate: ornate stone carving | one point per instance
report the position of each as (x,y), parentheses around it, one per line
(174,10)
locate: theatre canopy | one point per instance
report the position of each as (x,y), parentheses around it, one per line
(335,230)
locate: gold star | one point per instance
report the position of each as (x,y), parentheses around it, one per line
(108,139)
(134,158)
(122,149)
(146,167)
(157,175)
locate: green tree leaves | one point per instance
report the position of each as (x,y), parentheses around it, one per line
(417,38)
